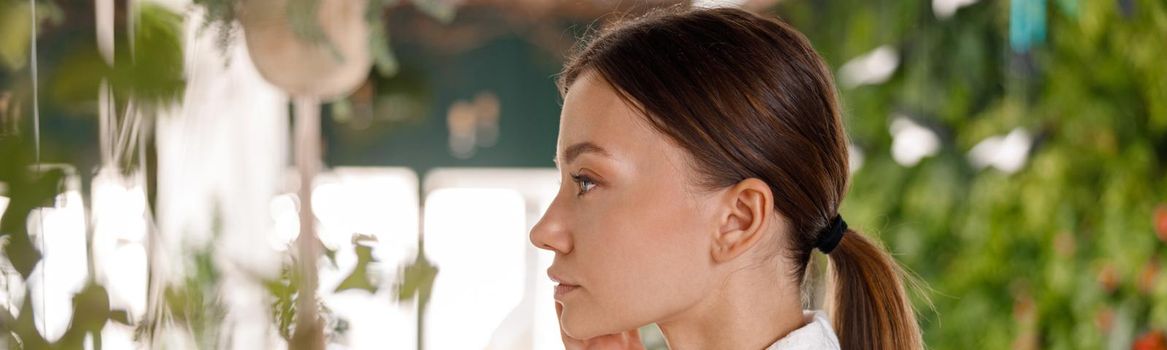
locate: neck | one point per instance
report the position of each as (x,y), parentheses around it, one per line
(753,309)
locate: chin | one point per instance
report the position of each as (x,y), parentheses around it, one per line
(584,324)
(580,326)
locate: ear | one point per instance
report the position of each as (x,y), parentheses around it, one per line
(743,216)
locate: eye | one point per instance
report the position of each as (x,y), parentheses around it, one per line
(584,182)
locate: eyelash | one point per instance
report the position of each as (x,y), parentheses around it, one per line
(584,182)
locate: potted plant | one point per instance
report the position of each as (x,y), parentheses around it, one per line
(317,48)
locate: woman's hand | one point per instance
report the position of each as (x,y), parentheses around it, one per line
(628,340)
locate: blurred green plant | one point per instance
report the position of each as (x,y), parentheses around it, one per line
(29,186)
(417,282)
(26,190)
(193,305)
(360,277)
(145,74)
(16,24)
(146,69)
(284,293)
(1061,254)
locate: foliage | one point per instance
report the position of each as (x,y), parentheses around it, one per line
(15,17)
(1062,254)
(146,69)
(28,187)
(194,304)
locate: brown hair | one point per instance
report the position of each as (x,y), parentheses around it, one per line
(748,97)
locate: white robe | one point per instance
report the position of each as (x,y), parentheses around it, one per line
(817,334)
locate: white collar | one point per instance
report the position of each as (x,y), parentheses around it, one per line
(817,334)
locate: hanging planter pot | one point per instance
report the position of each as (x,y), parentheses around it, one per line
(326,59)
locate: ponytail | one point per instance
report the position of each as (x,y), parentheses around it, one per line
(867,299)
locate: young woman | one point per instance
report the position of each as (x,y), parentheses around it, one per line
(704,160)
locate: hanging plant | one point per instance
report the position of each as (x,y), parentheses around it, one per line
(307,28)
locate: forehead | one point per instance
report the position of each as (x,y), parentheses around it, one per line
(594,112)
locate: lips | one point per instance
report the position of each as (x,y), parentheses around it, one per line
(562,291)
(563,287)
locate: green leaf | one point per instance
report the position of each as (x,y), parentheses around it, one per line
(417,280)
(27,190)
(359,277)
(16,28)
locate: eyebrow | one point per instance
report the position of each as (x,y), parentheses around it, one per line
(576,150)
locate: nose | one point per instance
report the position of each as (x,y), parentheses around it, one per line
(551,232)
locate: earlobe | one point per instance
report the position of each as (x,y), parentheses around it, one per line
(745,211)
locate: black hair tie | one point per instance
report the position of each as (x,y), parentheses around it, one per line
(830,236)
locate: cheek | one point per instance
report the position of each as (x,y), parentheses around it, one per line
(643,262)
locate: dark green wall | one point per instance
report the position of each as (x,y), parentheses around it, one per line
(518,73)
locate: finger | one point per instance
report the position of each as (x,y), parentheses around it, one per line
(634,340)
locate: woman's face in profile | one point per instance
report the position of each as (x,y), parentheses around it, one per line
(631,232)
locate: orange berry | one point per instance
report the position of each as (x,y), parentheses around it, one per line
(1153,340)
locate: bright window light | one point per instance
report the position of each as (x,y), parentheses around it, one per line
(119,239)
(532,324)
(477,238)
(378,202)
(63,269)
